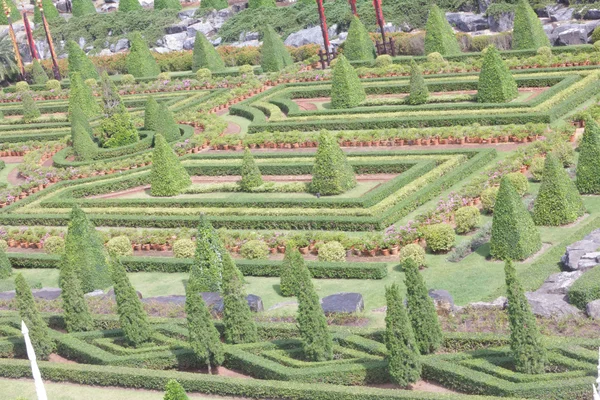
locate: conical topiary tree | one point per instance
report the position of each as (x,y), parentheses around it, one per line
(331,174)
(39,75)
(151,114)
(129,5)
(167,177)
(404,365)
(317,342)
(274,55)
(167,5)
(50,12)
(358,45)
(5,265)
(83,145)
(166,124)
(439,36)
(525,341)
(346,89)
(79,62)
(588,166)
(293,262)
(203,337)
(418,89)
(82,7)
(205,55)
(15,15)
(496,84)
(514,235)
(421,310)
(113,104)
(528,32)
(118,130)
(251,176)
(213,4)
(30,110)
(139,61)
(81,95)
(207,269)
(76,313)
(174,391)
(239,326)
(558,201)
(132,317)
(38,330)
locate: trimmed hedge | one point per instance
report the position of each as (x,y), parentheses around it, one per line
(274,55)
(496,84)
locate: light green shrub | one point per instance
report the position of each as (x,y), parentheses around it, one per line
(91,82)
(21,86)
(384,60)
(439,237)
(414,252)
(246,70)
(332,252)
(184,248)
(488,198)
(255,250)
(3,245)
(203,74)
(54,245)
(119,246)
(128,79)
(519,182)
(466,219)
(537,168)
(53,84)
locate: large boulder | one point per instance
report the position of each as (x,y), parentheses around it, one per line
(592,14)
(578,255)
(206,28)
(175,299)
(570,34)
(214,302)
(176,28)
(309,36)
(442,299)
(343,303)
(560,283)
(467,22)
(550,305)
(592,309)
(558,12)
(502,22)
(121,45)
(43,294)
(499,304)
(175,41)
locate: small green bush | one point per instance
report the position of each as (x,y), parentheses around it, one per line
(519,182)
(203,74)
(383,61)
(332,252)
(467,218)
(163,76)
(537,168)
(246,70)
(346,89)
(91,82)
(545,52)
(167,5)
(3,245)
(595,35)
(128,79)
(151,114)
(53,84)
(565,153)
(496,84)
(39,75)
(167,177)
(184,248)
(435,58)
(30,109)
(261,3)
(586,289)
(118,130)
(119,246)
(129,5)
(439,237)
(21,86)
(588,165)
(418,89)
(79,62)
(251,177)
(83,7)
(488,198)
(54,245)
(274,55)
(139,61)
(414,252)
(331,174)
(255,250)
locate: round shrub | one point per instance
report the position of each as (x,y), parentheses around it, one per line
(53,84)
(545,51)
(537,168)
(596,35)
(384,60)
(91,82)
(439,237)
(163,76)
(255,250)
(54,245)
(119,246)
(435,57)
(3,245)
(128,79)
(332,252)
(488,198)
(565,153)
(246,70)
(184,248)
(466,218)
(414,252)
(22,86)
(203,74)
(519,181)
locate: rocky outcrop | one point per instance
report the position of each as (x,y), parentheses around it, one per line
(442,299)
(592,309)
(343,303)
(309,36)
(499,304)
(560,283)
(468,22)
(42,294)
(583,255)
(213,301)
(558,12)
(550,305)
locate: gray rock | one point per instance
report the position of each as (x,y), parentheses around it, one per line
(214,302)
(186,14)
(46,293)
(442,299)
(483,5)
(109,7)
(500,304)
(502,22)
(121,45)
(304,37)
(161,50)
(558,12)
(95,293)
(175,299)
(250,43)
(176,28)
(560,283)
(550,305)
(105,52)
(468,22)
(61,6)
(246,36)
(590,26)
(217,41)
(577,250)
(204,27)
(343,303)
(110,295)
(592,14)
(188,44)
(175,41)
(574,35)
(592,309)
(9,295)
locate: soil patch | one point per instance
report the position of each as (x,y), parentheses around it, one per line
(12,159)
(59,359)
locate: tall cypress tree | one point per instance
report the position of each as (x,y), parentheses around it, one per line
(290,270)
(151,114)
(76,313)
(167,177)
(525,341)
(317,342)
(205,55)
(403,354)
(79,62)
(39,75)
(439,36)
(140,62)
(113,104)
(418,89)
(207,269)
(496,84)
(346,89)
(358,45)
(251,176)
(331,174)
(5,265)
(204,338)
(588,166)
(237,317)
(274,55)
(132,317)
(50,12)
(421,310)
(80,95)
(174,391)
(528,32)
(38,330)
(82,7)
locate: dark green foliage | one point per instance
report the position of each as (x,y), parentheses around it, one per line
(588,166)
(151,114)
(83,145)
(251,176)
(39,75)
(5,267)
(168,177)
(204,338)
(358,45)
(558,201)
(239,326)
(205,55)
(84,252)
(132,317)
(274,55)
(261,3)
(206,272)
(317,342)
(81,95)
(514,235)
(346,89)
(421,310)
(496,84)
(167,4)
(38,330)
(15,15)
(76,314)
(213,4)
(174,391)
(418,89)
(331,174)
(139,61)
(50,12)
(82,7)
(525,341)
(403,354)
(528,32)
(129,5)
(439,36)
(585,290)
(290,269)
(79,62)
(30,109)
(118,130)
(166,124)
(113,103)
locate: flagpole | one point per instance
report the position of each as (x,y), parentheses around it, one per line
(35,371)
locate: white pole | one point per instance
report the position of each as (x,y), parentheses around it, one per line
(35,371)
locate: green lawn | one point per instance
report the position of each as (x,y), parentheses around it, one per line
(5,171)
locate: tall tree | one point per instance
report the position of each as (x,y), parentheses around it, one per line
(76,313)
(346,89)
(39,75)
(167,177)
(439,36)
(79,62)
(496,84)
(290,270)
(207,269)
(251,176)
(31,112)
(274,55)
(205,55)
(331,174)
(38,330)
(140,62)
(528,32)
(588,166)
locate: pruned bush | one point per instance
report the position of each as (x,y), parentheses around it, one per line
(332,252)
(261,3)
(167,5)
(118,130)
(588,165)
(290,270)
(119,246)
(203,74)
(537,168)
(255,250)
(466,219)
(184,248)
(358,45)
(151,114)
(30,110)
(5,265)
(174,390)
(418,89)
(251,177)
(205,55)
(436,58)
(519,182)
(414,252)
(439,237)
(212,4)
(274,55)
(331,174)
(346,89)
(39,75)
(166,124)
(167,177)
(54,245)
(528,32)
(496,84)
(129,5)
(80,63)
(53,84)
(488,198)
(139,61)
(83,7)
(565,153)
(383,61)
(81,136)
(21,86)
(91,82)
(80,95)
(128,79)
(439,36)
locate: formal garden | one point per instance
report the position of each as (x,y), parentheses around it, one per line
(347,226)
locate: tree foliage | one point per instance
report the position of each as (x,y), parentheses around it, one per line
(174,391)
(30,109)
(113,103)
(50,12)
(346,89)
(358,45)
(129,5)
(151,114)
(167,5)
(140,62)
(207,270)
(39,75)
(588,166)
(274,55)
(293,263)
(79,62)
(39,333)
(80,95)
(496,84)
(82,7)
(81,136)
(166,124)
(439,36)
(213,4)
(261,3)
(15,15)
(76,313)
(5,265)
(418,89)
(251,176)
(167,177)
(331,174)
(528,32)
(118,130)
(205,55)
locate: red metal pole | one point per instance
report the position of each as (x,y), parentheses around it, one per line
(380,21)
(34,53)
(324,28)
(11,33)
(353,7)
(55,68)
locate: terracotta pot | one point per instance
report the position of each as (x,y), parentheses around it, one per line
(385,252)
(137,247)
(146,247)
(395,250)
(281,249)
(273,250)
(303,250)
